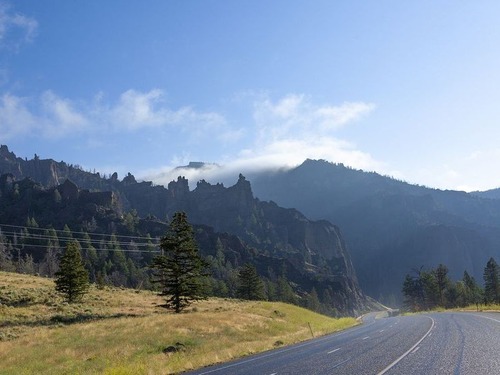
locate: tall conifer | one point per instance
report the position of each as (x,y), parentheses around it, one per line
(180,269)
(492,282)
(250,286)
(72,279)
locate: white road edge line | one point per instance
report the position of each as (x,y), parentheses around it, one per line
(409,350)
(365,338)
(333,351)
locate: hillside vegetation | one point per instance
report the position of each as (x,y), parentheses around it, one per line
(123,331)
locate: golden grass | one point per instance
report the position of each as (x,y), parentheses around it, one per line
(120,331)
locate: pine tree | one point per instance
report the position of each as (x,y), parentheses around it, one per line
(413,293)
(72,279)
(442,282)
(180,270)
(472,291)
(284,291)
(250,286)
(312,301)
(492,282)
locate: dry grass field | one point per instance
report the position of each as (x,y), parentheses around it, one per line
(123,331)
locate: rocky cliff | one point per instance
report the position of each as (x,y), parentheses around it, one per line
(280,242)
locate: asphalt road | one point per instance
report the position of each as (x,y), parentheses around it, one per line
(440,343)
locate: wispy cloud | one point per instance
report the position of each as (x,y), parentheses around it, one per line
(60,117)
(15,118)
(136,110)
(298,115)
(15,28)
(50,115)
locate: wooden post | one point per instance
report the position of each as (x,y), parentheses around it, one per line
(309,324)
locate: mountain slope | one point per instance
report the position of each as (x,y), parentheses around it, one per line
(391,226)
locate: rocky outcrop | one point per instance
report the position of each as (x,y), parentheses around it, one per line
(63,204)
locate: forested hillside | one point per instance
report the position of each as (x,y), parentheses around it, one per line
(299,260)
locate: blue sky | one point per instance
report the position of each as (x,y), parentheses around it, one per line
(407,89)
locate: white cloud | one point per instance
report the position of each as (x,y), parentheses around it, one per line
(15,28)
(135,110)
(15,118)
(297,115)
(50,115)
(60,117)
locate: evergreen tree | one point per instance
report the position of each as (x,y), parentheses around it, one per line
(180,270)
(472,291)
(119,261)
(89,256)
(250,286)
(430,285)
(442,282)
(413,293)
(492,282)
(312,301)
(72,279)
(284,291)
(67,235)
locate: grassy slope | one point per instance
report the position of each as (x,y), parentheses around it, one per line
(120,331)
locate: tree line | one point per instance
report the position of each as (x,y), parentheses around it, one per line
(429,289)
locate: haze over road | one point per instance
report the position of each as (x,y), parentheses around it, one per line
(438,343)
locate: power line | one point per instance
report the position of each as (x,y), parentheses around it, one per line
(107,238)
(75,232)
(66,239)
(123,250)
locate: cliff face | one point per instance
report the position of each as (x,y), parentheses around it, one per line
(56,206)
(316,249)
(48,172)
(280,242)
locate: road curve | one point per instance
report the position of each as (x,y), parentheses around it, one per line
(438,343)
